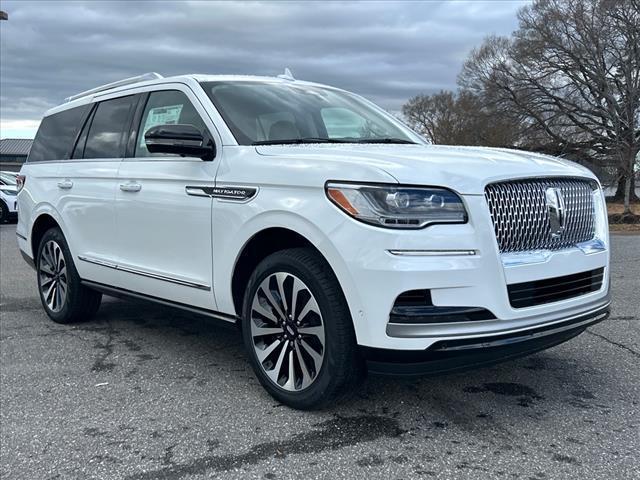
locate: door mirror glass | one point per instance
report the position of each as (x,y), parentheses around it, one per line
(179,139)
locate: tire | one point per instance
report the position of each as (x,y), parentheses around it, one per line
(4,212)
(325,330)
(55,269)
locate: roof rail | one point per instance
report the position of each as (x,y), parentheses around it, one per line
(119,83)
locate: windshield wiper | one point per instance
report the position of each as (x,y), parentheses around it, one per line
(294,141)
(384,140)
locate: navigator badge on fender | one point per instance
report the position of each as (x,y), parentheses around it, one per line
(225,193)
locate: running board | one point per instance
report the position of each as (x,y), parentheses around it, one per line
(122,292)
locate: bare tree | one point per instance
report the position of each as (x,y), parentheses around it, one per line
(458,119)
(572,71)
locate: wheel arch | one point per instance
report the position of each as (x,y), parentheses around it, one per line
(270,239)
(262,244)
(45,218)
(43,223)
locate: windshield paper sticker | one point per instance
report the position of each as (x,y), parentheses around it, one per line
(161,116)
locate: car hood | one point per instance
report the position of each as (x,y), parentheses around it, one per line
(464,169)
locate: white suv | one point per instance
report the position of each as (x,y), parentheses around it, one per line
(334,236)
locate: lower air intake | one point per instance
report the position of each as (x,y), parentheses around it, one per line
(539,292)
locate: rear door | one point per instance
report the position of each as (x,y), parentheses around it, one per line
(164,227)
(87,184)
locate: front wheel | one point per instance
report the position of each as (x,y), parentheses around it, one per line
(298,332)
(64,298)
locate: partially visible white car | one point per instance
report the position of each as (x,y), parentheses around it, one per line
(8,178)
(8,202)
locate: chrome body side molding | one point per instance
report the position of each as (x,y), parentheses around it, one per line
(96,261)
(144,273)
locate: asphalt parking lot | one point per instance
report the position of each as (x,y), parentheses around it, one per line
(146,392)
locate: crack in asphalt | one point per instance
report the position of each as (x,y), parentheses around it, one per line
(623,318)
(619,345)
(332,434)
(100,364)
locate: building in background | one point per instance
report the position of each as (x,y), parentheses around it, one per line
(14,152)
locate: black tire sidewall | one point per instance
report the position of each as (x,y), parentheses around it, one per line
(331,315)
(4,212)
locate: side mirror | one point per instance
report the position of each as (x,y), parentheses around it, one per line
(183,140)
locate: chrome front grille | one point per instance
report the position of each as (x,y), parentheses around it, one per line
(521,216)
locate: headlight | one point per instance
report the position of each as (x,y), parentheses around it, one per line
(396,206)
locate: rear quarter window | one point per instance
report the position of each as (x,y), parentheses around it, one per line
(57,132)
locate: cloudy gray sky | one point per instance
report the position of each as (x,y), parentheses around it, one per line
(387,51)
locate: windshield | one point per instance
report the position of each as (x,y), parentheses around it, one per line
(260,113)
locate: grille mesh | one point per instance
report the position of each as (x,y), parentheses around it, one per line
(521,218)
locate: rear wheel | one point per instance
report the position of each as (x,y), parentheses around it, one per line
(64,298)
(298,331)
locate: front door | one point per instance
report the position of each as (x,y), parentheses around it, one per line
(164,232)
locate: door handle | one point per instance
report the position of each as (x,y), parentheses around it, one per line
(130,187)
(65,184)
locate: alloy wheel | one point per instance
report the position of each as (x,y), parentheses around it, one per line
(287,331)
(52,270)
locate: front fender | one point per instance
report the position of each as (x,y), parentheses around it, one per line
(318,235)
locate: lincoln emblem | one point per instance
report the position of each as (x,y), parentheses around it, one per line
(557,211)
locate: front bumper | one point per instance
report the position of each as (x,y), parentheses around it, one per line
(377,275)
(448,356)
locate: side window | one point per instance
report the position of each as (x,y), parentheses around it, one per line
(78,150)
(56,135)
(107,131)
(166,107)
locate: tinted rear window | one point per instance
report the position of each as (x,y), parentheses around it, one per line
(107,132)
(56,135)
